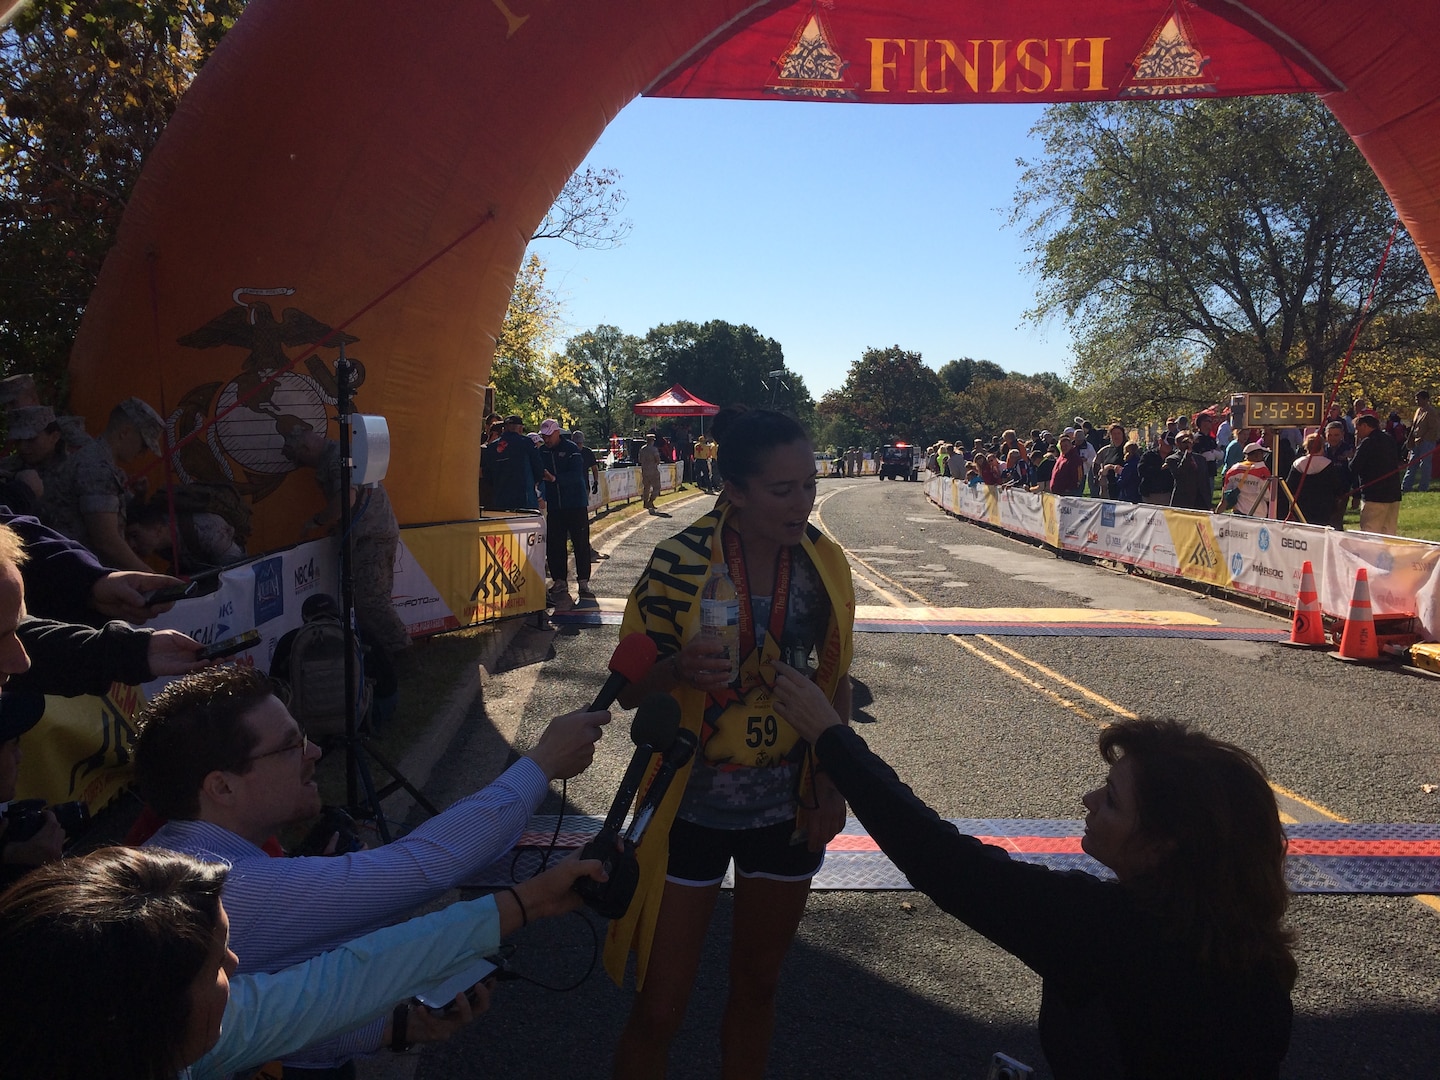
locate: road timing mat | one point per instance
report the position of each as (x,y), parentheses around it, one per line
(1001,622)
(1324,857)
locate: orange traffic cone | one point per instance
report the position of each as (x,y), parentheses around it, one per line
(1307,628)
(1358,641)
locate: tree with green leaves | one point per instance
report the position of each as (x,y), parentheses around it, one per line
(992,405)
(609,374)
(1226,243)
(890,394)
(960,374)
(726,364)
(88,86)
(530,378)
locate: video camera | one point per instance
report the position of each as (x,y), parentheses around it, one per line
(26,817)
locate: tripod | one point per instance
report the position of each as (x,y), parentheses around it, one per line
(357,748)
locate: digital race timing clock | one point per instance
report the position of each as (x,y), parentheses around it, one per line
(1283,410)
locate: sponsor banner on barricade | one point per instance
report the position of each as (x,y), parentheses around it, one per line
(1266,558)
(1079,522)
(1256,556)
(1154,549)
(483,570)
(601,494)
(1404,576)
(622,485)
(1109,530)
(1022,512)
(416,598)
(1197,551)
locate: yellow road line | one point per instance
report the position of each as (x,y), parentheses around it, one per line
(1063,702)
(1098,699)
(1322,811)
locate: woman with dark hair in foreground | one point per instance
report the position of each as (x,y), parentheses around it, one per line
(117,964)
(1181,967)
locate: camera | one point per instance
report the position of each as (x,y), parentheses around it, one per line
(335,822)
(26,817)
(1004,1067)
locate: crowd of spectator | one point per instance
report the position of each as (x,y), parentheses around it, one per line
(1204,462)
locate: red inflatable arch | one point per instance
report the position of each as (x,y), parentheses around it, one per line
(375,168)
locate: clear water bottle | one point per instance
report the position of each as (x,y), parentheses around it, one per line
(720,614)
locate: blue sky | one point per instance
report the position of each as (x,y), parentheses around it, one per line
(831,228)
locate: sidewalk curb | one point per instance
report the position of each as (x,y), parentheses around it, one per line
(421,757)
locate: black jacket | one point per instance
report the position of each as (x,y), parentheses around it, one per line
(68,660)
(1121,1000)
(1375,468)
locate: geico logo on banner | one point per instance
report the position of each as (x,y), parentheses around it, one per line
(1294,545)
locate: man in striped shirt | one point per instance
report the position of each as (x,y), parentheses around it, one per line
(222,759)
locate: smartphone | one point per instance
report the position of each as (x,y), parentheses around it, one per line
(230,646)
(170,593)
(443,996)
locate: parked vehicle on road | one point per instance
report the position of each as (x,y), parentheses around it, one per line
(899,461)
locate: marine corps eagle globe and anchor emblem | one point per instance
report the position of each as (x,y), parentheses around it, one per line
(240,426)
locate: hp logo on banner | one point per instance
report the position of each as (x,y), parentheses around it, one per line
(1237,563)
(1264,539)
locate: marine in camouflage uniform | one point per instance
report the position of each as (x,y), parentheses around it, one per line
(41,449)
(88,495)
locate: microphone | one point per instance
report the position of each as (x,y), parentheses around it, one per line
(629,663)
(656,729)
(675,757)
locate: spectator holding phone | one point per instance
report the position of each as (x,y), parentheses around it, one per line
(150,929)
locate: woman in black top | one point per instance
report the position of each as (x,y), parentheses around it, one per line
(1179,969)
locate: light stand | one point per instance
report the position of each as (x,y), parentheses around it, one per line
(357,768)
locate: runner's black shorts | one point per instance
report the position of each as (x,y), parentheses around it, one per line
(699,855)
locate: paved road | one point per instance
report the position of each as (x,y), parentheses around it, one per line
(883,984)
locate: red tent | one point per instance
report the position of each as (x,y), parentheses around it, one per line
(677,401)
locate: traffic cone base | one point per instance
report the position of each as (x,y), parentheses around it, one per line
(1307,628)
(1358,642)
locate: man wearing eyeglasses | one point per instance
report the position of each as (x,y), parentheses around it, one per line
(222,758)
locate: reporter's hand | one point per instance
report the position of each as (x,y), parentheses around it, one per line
(548,894)
(702,664)
(437,1025)
(174,653)
(120,594)
(46,846)
(802,704)
(567,746)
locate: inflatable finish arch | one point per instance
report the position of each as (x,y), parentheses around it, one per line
(367,171)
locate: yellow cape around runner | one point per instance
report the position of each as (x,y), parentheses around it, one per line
(665,604)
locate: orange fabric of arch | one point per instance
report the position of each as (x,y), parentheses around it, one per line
(349,170)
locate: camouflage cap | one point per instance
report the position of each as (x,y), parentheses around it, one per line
(146,420)
(28,421)
(73,428)
(18,390)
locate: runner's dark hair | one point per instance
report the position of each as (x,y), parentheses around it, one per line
(1220,882)
(746,438)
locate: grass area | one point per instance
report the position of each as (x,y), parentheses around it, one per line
(1419,515)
